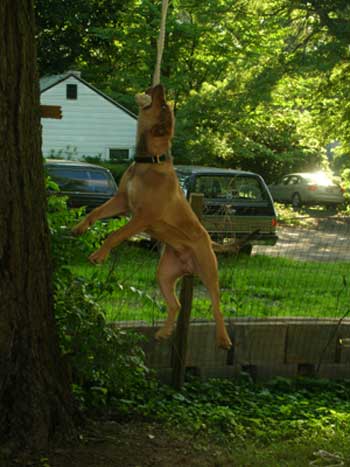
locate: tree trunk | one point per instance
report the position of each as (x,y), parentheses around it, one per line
(35,400)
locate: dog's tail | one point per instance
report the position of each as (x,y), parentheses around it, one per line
(235,247)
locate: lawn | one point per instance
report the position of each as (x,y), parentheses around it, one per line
(257,286)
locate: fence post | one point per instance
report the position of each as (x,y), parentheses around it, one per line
(183,320)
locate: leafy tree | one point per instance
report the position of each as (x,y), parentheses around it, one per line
(287,59)
(66,34)
(315,76)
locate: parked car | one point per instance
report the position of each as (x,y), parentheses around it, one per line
(307,189)
(85,184)
(236,203)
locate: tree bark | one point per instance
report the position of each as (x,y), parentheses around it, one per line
(35,400)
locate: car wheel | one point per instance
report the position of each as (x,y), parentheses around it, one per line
(296,201)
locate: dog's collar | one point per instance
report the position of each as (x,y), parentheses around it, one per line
(151,159)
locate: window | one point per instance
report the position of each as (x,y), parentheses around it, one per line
(294,180)
(72,91)
(100,182)
(116,155)
(237,187)
(82,180)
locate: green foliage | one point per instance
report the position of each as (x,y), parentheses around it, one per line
(68,153)
(267,141)
(259,85)
(241,411)
(104,360)
(66,33)
(346,187)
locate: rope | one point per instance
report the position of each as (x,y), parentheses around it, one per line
(160,43)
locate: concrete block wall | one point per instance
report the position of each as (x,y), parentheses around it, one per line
(264,348)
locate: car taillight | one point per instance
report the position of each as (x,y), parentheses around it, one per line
(312,187)
(274,222)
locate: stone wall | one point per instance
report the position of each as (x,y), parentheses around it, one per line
(264,348)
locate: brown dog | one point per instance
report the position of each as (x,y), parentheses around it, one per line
(150,191)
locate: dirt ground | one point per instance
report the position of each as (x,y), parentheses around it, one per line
(131,444)
(135,445)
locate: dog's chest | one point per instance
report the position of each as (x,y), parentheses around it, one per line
(132,191)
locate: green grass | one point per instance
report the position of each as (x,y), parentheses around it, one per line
(257,286)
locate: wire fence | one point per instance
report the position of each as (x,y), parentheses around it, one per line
(287,307)
(305,274)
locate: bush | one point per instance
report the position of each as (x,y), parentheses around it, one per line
(104,361)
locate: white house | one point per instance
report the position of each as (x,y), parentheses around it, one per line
(92,123)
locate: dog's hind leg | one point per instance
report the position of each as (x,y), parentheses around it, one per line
(170,269)
(206,268)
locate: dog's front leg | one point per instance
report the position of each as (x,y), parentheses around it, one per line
(134,226)
(113,207)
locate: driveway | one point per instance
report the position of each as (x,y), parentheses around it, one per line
(328,240)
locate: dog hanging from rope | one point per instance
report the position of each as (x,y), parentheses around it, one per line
(150,192)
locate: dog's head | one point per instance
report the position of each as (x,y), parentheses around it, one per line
(155,122)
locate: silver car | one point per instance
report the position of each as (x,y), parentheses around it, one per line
(307,189)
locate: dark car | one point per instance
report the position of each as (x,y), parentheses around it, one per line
(85,184)
(236,203)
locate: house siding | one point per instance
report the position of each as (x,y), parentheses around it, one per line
(90,125)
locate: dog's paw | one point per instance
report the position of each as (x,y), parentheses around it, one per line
(99,256)
(164,333)
(223,341)
(80,228)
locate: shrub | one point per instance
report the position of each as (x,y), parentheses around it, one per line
(104,361)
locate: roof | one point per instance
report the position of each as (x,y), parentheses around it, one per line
(197,169)
(49,81)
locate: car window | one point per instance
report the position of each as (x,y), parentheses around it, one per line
(293,180)
(285,180)
(101,181)
(230,187)
(84,180)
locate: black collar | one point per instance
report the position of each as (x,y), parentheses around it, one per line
(151,159)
